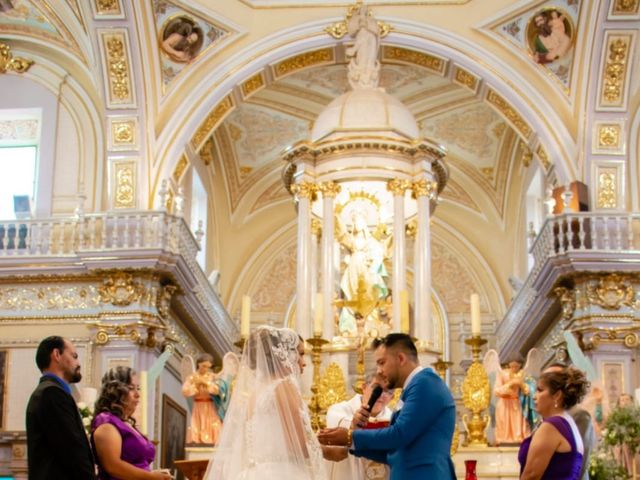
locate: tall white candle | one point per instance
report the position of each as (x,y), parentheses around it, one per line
(404,312)
(245,316)
(318,316)
(475,315)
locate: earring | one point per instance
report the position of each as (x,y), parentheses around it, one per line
(555,405)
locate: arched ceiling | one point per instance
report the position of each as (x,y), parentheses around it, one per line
(490,113)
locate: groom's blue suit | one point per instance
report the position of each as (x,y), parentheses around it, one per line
(417,443)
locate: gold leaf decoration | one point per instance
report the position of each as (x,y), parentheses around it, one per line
(414,57)
(9,63)
(212,121)
(509,113)
(333,388)
(303,60)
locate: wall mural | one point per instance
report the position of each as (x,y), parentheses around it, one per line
(548,34)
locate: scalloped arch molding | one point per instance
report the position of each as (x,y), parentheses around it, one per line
(547,126)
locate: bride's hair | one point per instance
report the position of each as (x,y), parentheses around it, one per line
(272,351)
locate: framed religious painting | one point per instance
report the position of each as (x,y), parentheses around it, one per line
(613,380)
(174,434)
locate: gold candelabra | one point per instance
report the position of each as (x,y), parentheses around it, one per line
(315,406)
(476,395)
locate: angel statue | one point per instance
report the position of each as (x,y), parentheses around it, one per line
(513,387)
(363,281)
(207,394)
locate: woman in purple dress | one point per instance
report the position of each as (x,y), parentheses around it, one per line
(121,450)
(554,451)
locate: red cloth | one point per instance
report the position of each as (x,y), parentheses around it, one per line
(374,425)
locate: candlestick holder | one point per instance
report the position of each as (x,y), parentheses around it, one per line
(476,395)
(441,367)
(240,344)
(315,406)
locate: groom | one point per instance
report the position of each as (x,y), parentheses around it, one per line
(417,444)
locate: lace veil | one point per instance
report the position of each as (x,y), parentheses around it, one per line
(266,432)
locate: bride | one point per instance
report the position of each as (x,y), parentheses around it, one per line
(267,433)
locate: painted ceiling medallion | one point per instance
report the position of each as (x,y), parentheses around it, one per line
(546,33)
(185,34)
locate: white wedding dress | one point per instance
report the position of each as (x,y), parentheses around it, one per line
(268,460)
(267,434)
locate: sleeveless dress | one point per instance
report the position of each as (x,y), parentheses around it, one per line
(563,465)
(136,448)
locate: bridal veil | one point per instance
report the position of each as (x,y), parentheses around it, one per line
(267,433)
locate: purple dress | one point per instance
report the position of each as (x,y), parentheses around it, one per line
(563,465)
(136,448)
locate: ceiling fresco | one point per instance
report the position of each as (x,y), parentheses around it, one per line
(38,20)
(281,114)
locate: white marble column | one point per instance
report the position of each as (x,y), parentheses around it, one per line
(397,187)
(329,191)
(304,192)
(316,233)
(423,190)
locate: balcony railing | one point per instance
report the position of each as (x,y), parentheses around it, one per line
(103,236)
(94,232)
(584,236)
(582,232)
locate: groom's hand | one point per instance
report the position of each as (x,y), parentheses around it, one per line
(361,417)
(334,436)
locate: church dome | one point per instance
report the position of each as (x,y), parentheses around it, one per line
(369,110)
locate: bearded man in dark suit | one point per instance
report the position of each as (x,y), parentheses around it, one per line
(57,443)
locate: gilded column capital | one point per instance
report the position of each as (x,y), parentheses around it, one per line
(304,190)
(424,188)
(398,187)
(329,189)
(10,63)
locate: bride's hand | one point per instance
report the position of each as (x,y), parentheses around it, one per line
(333,436)
(335,454)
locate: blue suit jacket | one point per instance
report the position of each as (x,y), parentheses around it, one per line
(417,443)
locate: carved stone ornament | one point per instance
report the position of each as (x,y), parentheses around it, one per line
(120,289)
(332,386)
(304,190)
(133,332)
(612,292)
(9,63)
(567,300)
(164,300)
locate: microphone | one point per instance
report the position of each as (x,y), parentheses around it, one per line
(375,395)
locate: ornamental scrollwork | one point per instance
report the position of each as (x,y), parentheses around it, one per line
(567,299)
(332,388)
(397,186)
(120,289)
(611,293)
(9,63)
(329,189)
(304,190)
(476,393)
